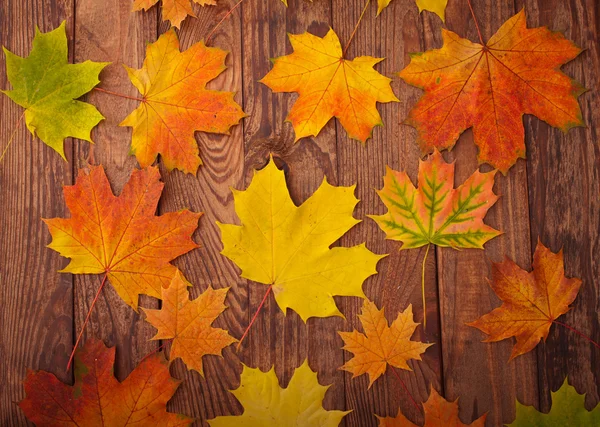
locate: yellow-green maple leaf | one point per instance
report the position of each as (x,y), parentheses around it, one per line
(286,246)
(47,86)
(266,404)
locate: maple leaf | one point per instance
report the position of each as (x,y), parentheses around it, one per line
(490,87)
(176,103)
(97,398)
(438,412)
(381,345)
(531,301)
(436,6)
(120,236)
(172,10)
(436,213)
(47,86)
(568,409)
(188,323)
(330,86)
(267,404)
(287,247)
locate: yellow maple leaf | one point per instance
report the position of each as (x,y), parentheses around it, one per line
(436,6)
(188,322)
(176,103)
(381,345)
(267,404)
(330,86)
(286,246)
(172,10)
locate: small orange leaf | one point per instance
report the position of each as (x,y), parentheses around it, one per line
(531,301)
(121,236)
(98,399)
(438,413)
(330,86)
(490,87)
(381,345)
(176,103)
(172,10)
(188,323)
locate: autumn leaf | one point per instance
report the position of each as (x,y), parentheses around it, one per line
(532,301)
(176,103)
(172,10)
(568,409)
(267,404)
(287,247)
(438,413)
(329,86)
(436,6)
(98,399)
(188,323)
(47,86)
(490,87)
(436,213)
(381,345)
(119,235)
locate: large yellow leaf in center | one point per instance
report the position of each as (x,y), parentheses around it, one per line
(286,246)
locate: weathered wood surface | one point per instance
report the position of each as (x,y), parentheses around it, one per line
(553,196)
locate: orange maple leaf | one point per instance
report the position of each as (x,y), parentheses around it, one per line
(97,398)
(172,10)
(490,87)
(176,103)
(121,236)
(532,301)
(330,86)
(381,345)
(438,413)
(188,323)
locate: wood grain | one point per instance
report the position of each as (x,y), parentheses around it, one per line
(553,196)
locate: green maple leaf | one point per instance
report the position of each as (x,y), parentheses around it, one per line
(567,410)
(47,86)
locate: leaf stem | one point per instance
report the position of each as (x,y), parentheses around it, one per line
(254,317)
(156,350)
(120,95)
(476,23)
(423,287)
(12,137)
(356,27)
(223,19)
(87,318)
(412,399)
(581,334)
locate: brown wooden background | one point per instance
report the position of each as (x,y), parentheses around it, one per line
(553,196)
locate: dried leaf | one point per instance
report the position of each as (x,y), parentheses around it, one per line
(188,323)
(381,345)
(330,86)
(121,236)
(490,87)
(531,301)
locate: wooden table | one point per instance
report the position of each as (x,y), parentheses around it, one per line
(553,196)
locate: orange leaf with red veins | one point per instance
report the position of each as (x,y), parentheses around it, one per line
(98,399)
(438,413)
(490,87)
(172,10)
(188,323)
(381,345)
(532,301)
(176,103)
(120,235)
(330,86)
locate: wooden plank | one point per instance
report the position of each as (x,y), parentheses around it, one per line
(36,300)
(479,373)
(209,191)
(563,173)
(109,31)
(392,35)
(275,339)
